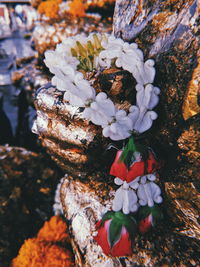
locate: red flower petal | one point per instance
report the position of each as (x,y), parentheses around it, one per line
(137,169)
(102,237)
(146,224)
(153,165)
(118,168)
(123,247)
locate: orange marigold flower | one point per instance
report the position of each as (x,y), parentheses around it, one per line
(50,8)
(37,253)
(77,8)
(54,230)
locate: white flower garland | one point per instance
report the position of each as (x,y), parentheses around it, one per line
(140,192)
(99,109)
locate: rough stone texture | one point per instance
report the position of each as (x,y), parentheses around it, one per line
(76,144)
(84,201)
(168,32)
(184,206)
(27,186)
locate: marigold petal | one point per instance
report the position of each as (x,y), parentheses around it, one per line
(54,230)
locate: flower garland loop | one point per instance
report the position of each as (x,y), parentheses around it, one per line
(97,52)
(135,165)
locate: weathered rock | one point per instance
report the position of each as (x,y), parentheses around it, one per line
(27,186)
(77,145)
(184,207)
(168,31)
(84,201)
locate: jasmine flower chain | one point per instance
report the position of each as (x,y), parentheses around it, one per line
(97,52)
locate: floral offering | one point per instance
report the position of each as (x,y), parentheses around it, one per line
(134,168)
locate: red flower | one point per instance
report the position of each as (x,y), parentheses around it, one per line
(149,216)
(113,236)
(146,224)
(140,168)
(124,246)
(102,236)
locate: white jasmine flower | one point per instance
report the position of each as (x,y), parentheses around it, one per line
(73,99)
(120,129)
(86,91)
(133,114)
(60,84)
(145,120)
(147,97)
(125,197)
(100,111)
(149,71)
(79,92)
(149,193)
(52,60)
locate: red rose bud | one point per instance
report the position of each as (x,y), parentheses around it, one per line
(149,216)
(116,233)
(140,168)
(146,224)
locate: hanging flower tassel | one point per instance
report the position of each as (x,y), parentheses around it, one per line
(149,216)
(133,161)
(148,192)
(116,232)
(125,197)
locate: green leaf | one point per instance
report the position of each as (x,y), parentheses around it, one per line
(128,221)
(127,155)
(90,48)
(97,42)
(131,226)
(155,211)
(74,53)
(107,216)
(144,212)
(82,51)
(114,232)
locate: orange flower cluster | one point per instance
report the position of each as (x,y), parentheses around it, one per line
(47,249)
(50,8)
(77,8)
(54,230)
